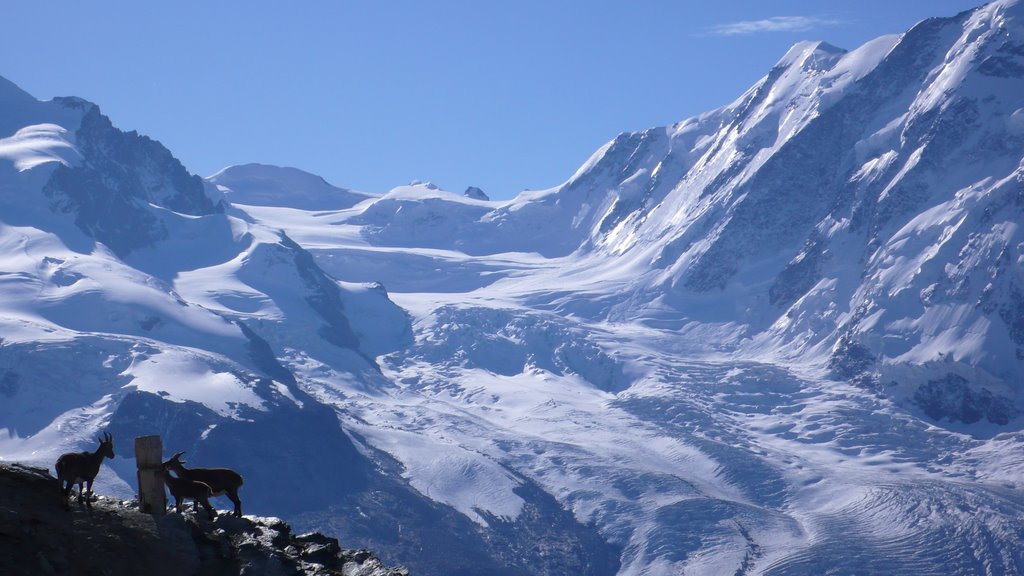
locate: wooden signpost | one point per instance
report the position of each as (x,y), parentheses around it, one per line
(149,453)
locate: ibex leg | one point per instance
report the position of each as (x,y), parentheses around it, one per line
(209,509)
(65,490)
(233,495)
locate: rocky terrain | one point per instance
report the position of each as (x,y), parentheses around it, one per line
(112,538)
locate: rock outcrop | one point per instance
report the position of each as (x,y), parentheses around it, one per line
(112,538)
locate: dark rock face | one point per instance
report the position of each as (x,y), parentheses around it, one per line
(323,296)
(851,360)
(1007,62)
(177,423)
(273,438)
(1012,313)
(121,174)
(952,398)
(38,537)
(475,193)
(798,276)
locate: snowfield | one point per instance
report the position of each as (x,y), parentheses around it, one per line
(782,337)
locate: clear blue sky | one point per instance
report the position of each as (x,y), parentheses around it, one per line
(371,94)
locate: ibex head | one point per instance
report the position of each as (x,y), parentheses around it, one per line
(106,445)
(174,462)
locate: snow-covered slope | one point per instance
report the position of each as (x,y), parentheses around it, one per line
(264,185)
(782,337)
(137,301)
(857,209)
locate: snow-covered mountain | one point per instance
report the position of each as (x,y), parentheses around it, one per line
(782,337)
(136,300)
(859,207)
(260,184)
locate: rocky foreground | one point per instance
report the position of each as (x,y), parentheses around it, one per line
(112,538)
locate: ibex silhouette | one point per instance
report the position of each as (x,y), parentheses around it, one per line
(222,481)
(198,492)
(81,468)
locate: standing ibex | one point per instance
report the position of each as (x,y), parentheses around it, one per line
(81,468)
(198,492)
(220,480)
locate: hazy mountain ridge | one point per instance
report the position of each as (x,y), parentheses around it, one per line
(742,343)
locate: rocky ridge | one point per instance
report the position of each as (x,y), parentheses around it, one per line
(112,538)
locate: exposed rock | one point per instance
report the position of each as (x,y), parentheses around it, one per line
(851,360)
(475,193)
(952,397)
(37,536)
(122,174)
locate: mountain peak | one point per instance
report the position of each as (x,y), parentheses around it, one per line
(18,108)
(1000,9)
(811,54)
(1015,6)
(475,193)
(11,93)
(422,184)
(268,185)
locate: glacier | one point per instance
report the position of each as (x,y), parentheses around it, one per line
(785,336)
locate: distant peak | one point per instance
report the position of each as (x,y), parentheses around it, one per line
(826,47)
(811,55)
(269,185)
(475,193)
(422,184)
(11,92)
(1013,8)
(257,169)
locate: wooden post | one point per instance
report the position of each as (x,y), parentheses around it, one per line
(149,453)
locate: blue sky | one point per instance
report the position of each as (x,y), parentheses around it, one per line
(373,94)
